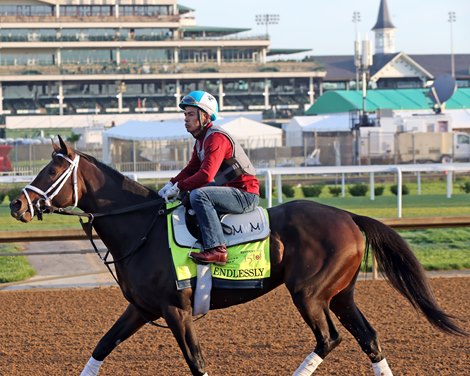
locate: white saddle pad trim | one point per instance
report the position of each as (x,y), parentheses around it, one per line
(247,227)
(202,293)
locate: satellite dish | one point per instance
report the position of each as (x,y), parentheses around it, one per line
(442,89)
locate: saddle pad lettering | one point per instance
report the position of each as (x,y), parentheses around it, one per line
(247,265)
(243,228)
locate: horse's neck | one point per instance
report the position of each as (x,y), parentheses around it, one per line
(108,192)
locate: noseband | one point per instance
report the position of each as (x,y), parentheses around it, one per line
(55,188)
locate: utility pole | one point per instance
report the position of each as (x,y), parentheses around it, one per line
(451,21)
(363,61)
(357,49)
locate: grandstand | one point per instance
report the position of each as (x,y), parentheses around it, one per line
(66,57)
(102,58)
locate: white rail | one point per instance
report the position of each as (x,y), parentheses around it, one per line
(278,172)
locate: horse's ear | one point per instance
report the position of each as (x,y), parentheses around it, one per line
(55,146)
(64,147)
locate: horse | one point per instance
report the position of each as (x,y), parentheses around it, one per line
(316,251)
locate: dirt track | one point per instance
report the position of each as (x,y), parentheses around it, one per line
(52,332)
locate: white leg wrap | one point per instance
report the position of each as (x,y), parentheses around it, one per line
(381,368)
(309,365)
(92,368)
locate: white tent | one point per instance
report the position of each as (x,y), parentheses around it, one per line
(250,133)
(320,123)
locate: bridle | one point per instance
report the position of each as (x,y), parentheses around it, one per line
(55,188)
(44,204)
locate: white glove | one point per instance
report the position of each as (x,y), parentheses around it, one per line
(162,191)
(172,193)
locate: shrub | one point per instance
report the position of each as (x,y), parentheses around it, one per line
(268,69)
(288,190)
(209,70)
(404,189)
(312,190)
(357,190)
(2,196)
(378,191)
(14,193)
(335,191)
(465,187)
(262,190)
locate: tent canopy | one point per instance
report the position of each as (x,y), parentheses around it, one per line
(335,101)
(320,123)
(239,127)
(251,133)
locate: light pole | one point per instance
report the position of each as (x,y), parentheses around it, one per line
(357,49)
(363,61)
(267,19)
(451,20)
(356,19)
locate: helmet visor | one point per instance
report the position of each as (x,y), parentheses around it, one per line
(188,101)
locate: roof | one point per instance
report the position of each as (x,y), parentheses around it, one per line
(240,127)
(439,64)
(337,101)
(184,9)
(213,30)
(287,51)
(341,67)
(338,67)
(321,123)
(383,19)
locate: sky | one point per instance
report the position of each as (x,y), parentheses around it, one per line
(326,26)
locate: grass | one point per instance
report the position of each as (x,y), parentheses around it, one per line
(436,249)
(50,222)
(13,268)
(441,249)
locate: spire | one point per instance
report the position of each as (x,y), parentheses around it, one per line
(383,18)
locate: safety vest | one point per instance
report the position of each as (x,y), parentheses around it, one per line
(233,167)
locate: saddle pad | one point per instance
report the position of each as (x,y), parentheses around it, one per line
(242,228)
(247,265)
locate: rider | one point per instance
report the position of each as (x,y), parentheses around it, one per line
(219,176)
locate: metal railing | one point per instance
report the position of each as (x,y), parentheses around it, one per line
(62,235)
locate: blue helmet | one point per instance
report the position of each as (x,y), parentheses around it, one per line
(202,100)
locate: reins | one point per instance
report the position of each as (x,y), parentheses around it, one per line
(88,229)
(88,226)
(44,205)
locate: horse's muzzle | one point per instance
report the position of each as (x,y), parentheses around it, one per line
(19,211)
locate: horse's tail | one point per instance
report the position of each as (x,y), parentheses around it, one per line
(401,267)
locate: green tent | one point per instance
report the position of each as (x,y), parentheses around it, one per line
(335,101)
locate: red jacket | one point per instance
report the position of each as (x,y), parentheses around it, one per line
(198,174)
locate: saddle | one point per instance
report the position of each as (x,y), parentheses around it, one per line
(238,228)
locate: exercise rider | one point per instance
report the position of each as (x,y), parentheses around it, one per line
(219,176)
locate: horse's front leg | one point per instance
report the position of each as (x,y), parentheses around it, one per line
(129,323)
(180,322)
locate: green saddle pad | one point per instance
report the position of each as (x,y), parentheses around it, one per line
(247,265)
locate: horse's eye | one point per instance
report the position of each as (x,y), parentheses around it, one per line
(52,171)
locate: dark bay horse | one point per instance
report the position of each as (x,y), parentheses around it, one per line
(316,251)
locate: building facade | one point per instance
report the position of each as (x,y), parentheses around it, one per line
(61,57)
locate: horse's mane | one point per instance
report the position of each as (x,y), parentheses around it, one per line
(126,183)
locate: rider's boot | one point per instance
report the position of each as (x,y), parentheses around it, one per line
(217,255)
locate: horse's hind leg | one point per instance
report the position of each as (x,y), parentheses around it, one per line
(345,308)
(129,323)
(316,314)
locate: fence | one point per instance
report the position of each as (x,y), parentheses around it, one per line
(53,235)
(332,148)
(278,172)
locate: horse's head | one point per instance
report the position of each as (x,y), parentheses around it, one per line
(56,184)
